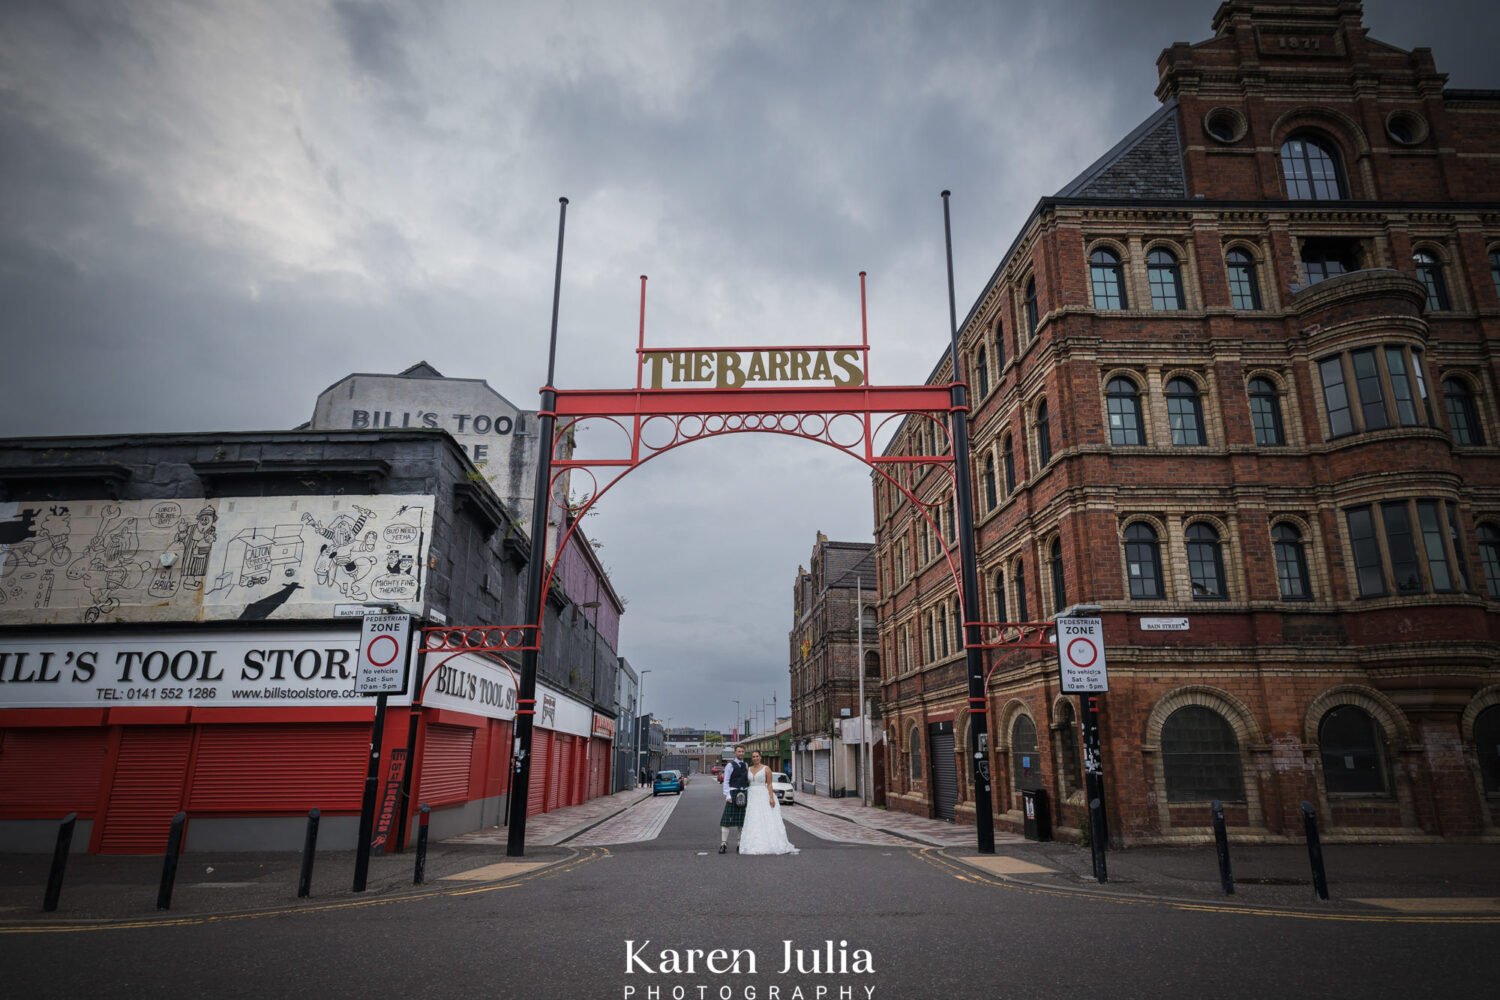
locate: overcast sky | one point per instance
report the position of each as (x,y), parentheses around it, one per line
(211,211)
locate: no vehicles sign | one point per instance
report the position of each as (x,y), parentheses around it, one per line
(1080,655)
(383,641)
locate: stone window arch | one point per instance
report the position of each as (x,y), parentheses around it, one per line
(1185,410)
(1247,738)
(1431,266)
(1480,729)
(1461,406)
(1267,415)
(1107,276)
(1164,276)
(1141,541)
(1242,267)
(1392,729)
(1312,167)
(1041,425)
(1124,413)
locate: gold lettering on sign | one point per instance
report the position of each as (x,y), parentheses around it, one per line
(735,369)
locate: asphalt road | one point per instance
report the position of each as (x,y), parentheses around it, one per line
(932,929)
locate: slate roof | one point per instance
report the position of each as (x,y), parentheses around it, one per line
(1147,163)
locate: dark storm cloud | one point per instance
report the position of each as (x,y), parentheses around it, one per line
(210,212)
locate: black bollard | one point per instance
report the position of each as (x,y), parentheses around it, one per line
(1096,840)
(1315,850)
(309,849)
(59,862)
(1221,840)
(421,872)
(169,863)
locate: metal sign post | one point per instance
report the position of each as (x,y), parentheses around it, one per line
(384,642)
(1081,666)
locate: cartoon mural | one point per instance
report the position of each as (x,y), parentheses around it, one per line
(196,559)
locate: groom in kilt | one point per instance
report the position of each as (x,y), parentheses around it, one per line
(736,779)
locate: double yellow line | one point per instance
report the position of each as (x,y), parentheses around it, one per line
(967,873)
(579,858)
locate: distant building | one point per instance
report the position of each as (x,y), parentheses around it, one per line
(824,665)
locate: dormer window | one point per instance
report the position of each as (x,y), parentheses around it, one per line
(1310,166)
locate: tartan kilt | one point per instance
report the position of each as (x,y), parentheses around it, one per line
(732,815)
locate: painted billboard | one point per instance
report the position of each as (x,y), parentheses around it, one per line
(228,558)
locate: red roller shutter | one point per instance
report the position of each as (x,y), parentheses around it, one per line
(147,790)
(280,768)
(447,759)
(568,772)
(541,757)
(48,773)
(555,773)
(601,768)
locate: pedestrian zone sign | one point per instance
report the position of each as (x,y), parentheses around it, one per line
(1080,655)
(383,641)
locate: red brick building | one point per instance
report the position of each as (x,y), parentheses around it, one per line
(824,664)
(1237,384)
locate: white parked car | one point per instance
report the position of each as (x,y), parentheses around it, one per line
(783,789)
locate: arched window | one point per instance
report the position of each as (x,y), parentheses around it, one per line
(1244,290)
(1291,563)
(1024,761)
(1000,596)
(958,625)
(1124,404)
(1463,416)
(1108,279)
(991,500)
(914,741)
(1184,412)
(1043,436)
(999,347)
(1165,279)
(1489,559)
(1019,572)
(1205,563)
(1487,742)
(942,627)
(1201,757)
(931,638)
(1059,589)
(1033,317)
(1310,167)
(1353,756)
(869,618)
(1069,771)
(1265,413)
(1143,562)
(982,363)
(1430,274)
(1008,458)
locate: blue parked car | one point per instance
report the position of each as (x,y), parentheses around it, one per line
(667,781)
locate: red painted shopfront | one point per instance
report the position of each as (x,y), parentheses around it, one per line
(246,776)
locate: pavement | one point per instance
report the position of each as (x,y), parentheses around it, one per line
(1431,880)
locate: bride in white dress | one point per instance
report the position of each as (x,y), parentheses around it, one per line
(764,831)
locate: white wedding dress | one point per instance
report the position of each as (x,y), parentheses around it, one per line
(764,831)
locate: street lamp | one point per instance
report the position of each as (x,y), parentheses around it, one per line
(644,738)
(737,736)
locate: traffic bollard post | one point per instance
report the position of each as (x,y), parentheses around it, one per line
(169,863)
(421,870)
(1221,842)
(309,849)
(1315,850)
(59,862)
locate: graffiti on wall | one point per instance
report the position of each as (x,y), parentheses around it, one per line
(197,560)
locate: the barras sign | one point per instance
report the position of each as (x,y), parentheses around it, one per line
(731,369)
(311,668)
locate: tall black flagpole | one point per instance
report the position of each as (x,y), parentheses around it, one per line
(984,817)
(520,780)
